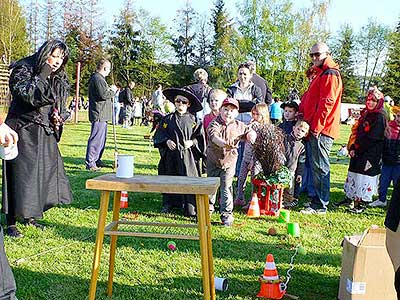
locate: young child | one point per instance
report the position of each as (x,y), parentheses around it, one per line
(295,158)
(390,158)
(366,152)
(224,135)
(260,115)
(180,138)
(290,109)
(216,97)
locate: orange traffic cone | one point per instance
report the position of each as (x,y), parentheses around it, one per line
(123,203)
(270,281)
(254,208)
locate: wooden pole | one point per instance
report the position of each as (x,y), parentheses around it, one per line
(78,75)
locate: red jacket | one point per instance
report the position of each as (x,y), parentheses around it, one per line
(320,104)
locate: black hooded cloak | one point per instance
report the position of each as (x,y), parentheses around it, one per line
(36,181)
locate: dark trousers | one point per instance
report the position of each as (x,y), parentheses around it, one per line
(96,143)
(7,283)
(388,174)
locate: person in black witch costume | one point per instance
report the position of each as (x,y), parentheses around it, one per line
(35,180)
(180,140)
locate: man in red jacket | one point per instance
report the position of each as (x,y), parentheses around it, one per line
(320,107)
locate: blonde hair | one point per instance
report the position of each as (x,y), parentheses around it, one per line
(302,123)
(217,93)
(200,75)
(263,110)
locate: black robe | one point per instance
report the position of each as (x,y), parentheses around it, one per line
(181,161)
(368,145)
(7,282)
(35,181)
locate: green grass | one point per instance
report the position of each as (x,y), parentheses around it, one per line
(145,269)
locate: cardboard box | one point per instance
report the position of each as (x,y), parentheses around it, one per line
(367,271)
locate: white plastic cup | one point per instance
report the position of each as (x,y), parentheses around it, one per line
(221,284)
(124,166)
(9,152)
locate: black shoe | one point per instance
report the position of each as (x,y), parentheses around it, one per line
(101,164)
(345,202)
(13,232)
(32,222)
(359,207)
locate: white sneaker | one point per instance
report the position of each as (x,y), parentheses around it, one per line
(377,203)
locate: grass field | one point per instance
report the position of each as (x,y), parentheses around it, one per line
(56,263)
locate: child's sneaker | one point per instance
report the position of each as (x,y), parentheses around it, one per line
(227,220)
(377,203)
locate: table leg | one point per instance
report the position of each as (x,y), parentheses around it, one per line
(104,198)
(209,248)
(202,226)
(113,245)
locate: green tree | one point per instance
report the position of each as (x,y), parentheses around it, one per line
(202,53)
(155,50)
(225,47)
(183,44)
(13,37)
(391,79)
(124,45)
(372,43)
(343,52)
(309,28)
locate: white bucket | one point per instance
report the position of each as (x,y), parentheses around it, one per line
(124,166)
(9,152)
(221,284)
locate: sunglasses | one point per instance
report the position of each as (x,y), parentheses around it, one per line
(242,73)
(181,101)
(316,54)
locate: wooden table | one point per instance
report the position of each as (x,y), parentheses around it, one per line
(200,186)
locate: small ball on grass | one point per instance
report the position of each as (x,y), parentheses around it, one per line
(171,245)
(272,231)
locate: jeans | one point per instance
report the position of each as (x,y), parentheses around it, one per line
(320,150)
(307,182)
(226,179)
(388,174)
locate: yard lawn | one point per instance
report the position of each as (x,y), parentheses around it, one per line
(56,263)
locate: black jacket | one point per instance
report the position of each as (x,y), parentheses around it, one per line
(100,99)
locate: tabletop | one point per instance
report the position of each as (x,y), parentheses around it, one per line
(155,184)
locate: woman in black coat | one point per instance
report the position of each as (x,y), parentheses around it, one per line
(35,181)
(366,145)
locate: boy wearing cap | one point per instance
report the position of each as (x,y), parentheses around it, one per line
(224,134)
(290,109)
(180,140)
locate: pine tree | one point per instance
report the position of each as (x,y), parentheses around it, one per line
(391,80)
(184,43)
(344,56)
(124,44)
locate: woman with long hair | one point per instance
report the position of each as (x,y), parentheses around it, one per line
(35,180)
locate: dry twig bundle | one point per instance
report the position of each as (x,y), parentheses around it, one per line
(269,148)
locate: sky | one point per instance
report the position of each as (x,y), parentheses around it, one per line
(353,12)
